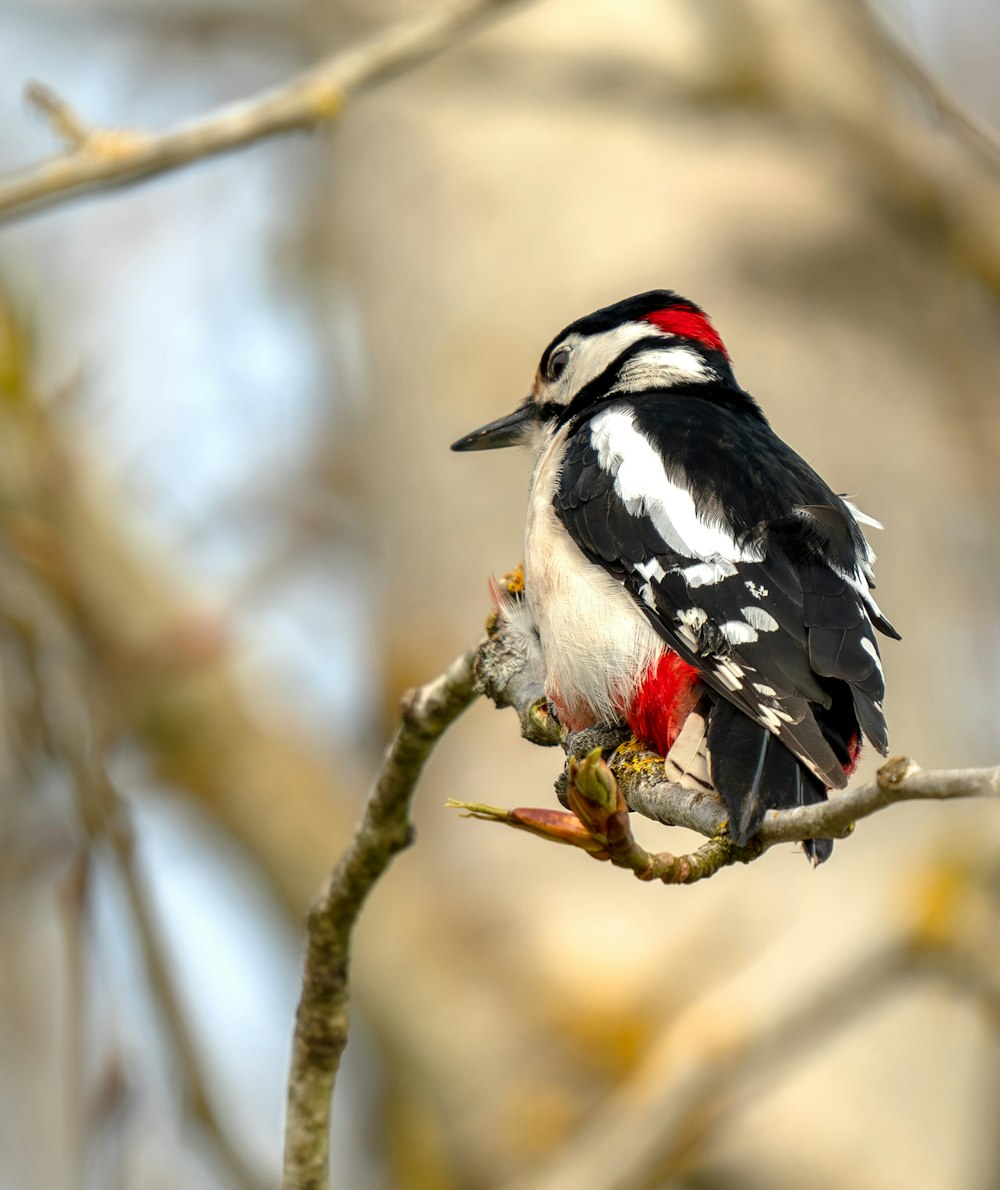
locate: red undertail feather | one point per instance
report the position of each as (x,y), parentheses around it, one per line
(854,751)
(692,324)
(663,701)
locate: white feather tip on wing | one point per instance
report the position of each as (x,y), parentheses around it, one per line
(862,517)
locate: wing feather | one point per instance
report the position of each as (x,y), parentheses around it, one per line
(774,620)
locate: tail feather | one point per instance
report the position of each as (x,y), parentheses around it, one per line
(753,772)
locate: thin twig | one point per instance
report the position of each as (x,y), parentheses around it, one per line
(321,1020)
(63,121)
(101,158)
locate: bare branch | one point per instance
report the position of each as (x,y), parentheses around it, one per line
(103,158)
(899,780)
(321,1020)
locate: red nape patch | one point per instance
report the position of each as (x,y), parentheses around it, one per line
(663,701)
(692,324)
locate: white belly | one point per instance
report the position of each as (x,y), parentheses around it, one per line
(596,643)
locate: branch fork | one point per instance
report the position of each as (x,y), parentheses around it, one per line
(106,145)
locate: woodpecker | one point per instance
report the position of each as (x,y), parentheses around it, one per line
(686,572)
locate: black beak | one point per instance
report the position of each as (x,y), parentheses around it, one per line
(505,431)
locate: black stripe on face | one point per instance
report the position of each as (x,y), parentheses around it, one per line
(596,390)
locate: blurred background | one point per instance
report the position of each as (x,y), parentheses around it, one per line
(231,534)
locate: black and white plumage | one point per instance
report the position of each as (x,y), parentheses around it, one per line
(686,571)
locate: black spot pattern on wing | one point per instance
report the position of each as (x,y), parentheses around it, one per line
(809,675)
(769,679)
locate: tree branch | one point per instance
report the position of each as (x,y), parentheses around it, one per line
(598,825)
(105,158)
(385,829)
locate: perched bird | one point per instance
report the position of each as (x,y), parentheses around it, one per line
(687,572)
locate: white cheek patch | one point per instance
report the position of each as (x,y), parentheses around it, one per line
(659,368)
(645,488)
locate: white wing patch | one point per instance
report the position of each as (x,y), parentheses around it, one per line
(707,574)
(729,673)
(645,488)
(757,618)
(772,717)
(651,570)
(738,633)
(692,620)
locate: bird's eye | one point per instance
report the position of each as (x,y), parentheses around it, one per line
(557,363)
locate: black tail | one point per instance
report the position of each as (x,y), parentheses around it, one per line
(754,772)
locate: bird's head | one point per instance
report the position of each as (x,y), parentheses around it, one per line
(653,341)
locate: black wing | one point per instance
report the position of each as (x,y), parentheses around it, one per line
(747,564)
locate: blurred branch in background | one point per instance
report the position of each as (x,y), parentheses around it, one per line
(107,818)
(101,649)
(158,666)
(653,1128)
(959,116)
(104,158)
